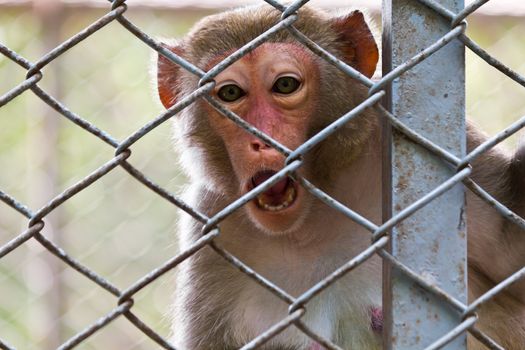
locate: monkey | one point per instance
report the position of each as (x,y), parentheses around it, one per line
(285,234)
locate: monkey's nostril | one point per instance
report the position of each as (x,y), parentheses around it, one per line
(258,146)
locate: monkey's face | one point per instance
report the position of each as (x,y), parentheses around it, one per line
(282,89)
(274,89)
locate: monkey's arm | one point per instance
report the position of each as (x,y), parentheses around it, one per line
(496,245)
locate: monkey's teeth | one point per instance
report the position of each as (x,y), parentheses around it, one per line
(290,195)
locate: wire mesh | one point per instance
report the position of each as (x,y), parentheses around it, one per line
(379,233)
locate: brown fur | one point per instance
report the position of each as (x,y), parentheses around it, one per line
(211,295)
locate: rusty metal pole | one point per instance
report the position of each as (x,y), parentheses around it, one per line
(430,99)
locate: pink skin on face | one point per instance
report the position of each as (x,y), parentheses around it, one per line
(281,116)
(284,116)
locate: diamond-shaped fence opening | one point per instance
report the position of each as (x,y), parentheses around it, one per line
(84,235)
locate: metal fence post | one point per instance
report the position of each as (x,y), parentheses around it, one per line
(430,99)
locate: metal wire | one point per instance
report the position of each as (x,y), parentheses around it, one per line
(379,233)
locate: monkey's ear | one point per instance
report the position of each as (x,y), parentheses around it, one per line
(168,75)
(358,43)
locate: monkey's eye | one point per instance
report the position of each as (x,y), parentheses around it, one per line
(286,85)
(230,93)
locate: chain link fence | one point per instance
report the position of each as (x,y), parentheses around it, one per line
(125,299)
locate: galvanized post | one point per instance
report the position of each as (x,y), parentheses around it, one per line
(430,99)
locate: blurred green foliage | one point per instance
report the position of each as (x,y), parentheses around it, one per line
(493,100)
(117,227)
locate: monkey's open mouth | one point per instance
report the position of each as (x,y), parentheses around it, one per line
(278,197)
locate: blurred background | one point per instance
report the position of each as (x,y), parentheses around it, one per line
(117,227)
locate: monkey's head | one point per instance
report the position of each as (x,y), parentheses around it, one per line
(281,88)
